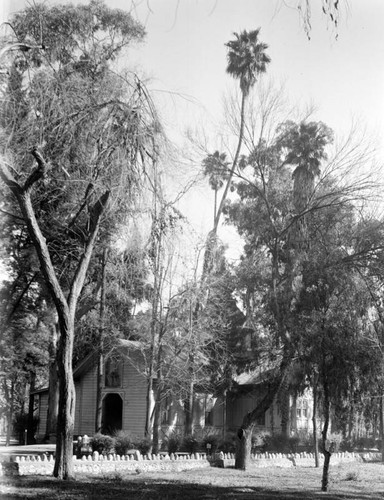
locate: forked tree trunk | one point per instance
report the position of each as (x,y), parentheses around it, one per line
(65,307)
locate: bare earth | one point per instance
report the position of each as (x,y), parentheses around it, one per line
(358,481)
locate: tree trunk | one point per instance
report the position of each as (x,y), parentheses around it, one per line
(156,424)
(245,432)
(189,409)
(100,361)
(325,478)
(314,422)
(66,416)
(326,447)
(53,386)
(10,415)
(210,245)
(382,427)
(244,447)
(149,410)
(30,433)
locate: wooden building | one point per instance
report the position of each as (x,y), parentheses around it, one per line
(124,400)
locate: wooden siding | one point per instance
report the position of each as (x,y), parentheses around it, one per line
(43,413)
(134,397)
(85,409)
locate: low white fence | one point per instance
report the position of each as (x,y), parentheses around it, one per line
(136,463)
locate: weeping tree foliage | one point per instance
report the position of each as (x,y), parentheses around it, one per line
(76,138)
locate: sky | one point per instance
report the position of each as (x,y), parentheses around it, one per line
(184,58)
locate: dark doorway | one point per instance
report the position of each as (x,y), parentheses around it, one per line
(112,413)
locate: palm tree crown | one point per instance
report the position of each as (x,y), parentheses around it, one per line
(247,58)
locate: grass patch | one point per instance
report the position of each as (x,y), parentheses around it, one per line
(353,482)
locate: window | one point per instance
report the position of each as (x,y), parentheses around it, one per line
(113,373)
(302,408)
(165,411)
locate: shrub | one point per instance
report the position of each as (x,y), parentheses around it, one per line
(103,444)
(144,446)
(124,441)
(190,443)
(213,440)
(173,443)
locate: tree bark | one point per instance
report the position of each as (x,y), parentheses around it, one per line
(326,447)
(188,407)
(53,386)
(382,427)
(156,423)
(65,419)
(100,361)
(30,433)
(10,415)
(244,447)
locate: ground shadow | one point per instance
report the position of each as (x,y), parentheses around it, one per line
(144,488)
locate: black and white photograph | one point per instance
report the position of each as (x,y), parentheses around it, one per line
(192,249)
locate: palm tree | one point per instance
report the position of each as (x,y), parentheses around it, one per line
(308,150)
(247,59)
(216,169)
(305,143)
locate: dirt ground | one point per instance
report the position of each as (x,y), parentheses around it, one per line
(358,481)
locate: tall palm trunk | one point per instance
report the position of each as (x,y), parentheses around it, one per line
(212,236)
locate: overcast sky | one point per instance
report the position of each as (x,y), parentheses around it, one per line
(184,55)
